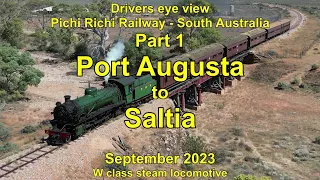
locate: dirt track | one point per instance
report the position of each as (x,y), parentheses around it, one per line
(75,160)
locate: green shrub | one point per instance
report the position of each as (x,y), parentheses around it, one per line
(312,81)
(54,40)
(251,177)
(117,167)
(194,145)
(282,86)
(7,147)
(317,140)
(4,132)
(40,39)
(295,81)
(12,32)
(237,131)
(29,129)
(16,73)
(81,49)
(220,156)
(314,67)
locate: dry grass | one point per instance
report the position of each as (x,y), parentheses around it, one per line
(312,81)
(52,88)
(270,72)
(249,125)
(264,115)
(273,130)
(298,44)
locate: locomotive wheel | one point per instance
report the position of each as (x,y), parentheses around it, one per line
(118,112)
(49,141)
(68,139)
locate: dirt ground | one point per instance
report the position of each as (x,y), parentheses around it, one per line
(297,45)
(276,127)
(254,128)
(59,80)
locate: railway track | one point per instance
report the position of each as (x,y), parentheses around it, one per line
(26,159)
(298,20)
(299,16)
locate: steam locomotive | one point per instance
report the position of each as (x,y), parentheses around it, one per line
(75,117)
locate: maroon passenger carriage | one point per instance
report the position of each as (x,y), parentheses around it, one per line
(256,36)
(231,49)
(278,28)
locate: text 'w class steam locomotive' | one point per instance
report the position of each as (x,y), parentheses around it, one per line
(75,117)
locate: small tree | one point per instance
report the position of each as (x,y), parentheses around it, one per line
(60,40)
(12,32)
(40,39)
(191,33)
(135,54)
(100,9)
(204,36)
(314,67)
(9,9)
(194,144)
(16,72)
(54,40)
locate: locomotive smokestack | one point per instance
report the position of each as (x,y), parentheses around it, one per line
(67,98)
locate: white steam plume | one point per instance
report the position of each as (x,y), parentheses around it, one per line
(115,53)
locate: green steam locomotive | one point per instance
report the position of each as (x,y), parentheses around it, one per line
(75,117)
